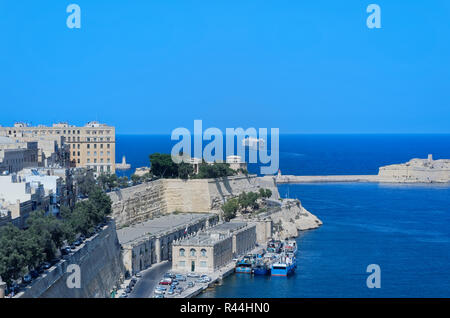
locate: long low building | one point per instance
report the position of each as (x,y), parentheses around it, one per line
(212,249)
(150,242)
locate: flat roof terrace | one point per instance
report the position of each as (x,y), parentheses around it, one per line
(159,226)
(212,235)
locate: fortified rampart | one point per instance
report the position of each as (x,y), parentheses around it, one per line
(152,199)
(101,269)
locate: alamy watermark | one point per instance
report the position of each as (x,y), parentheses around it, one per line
(374,279)
(374,19)
(252,139)
(74,19)
(74,278)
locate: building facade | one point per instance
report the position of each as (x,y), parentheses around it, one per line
(15,156)
(210,250)
(92,146)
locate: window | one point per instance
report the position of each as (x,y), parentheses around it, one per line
(88,153)
(182,263)
(109,146)
(88,146)
(203,252)
(203,264)
(192,251)
(182,252)
(89,160)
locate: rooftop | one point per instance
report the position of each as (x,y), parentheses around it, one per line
(159,226)
(212,235)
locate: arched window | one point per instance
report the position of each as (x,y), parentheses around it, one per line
(203,252)
(182,252)
(193,251)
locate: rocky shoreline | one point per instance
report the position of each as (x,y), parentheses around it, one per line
(293,218)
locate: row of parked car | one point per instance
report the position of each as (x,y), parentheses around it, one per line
(170,284)
(35,273)
(130,287)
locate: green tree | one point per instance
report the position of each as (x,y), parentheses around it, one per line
(185,170)
(135,179)
(215,170)
(230,208)
(163,166)
(13,260)
(248,200)
(265,193)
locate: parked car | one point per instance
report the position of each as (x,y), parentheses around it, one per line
(175,282)
(193,275)
(46,265)
(77,242)
(27,279)
(169,275)
(128,290)
(159,292)
(134,279)
(166,281)
(163,288)
(191,284)
(54,261)
(123,295)
(159,296)
(34,274)
(138,275)
(180,278)
(65,250)
(171,292)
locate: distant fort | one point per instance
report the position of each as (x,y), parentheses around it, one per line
(414,171)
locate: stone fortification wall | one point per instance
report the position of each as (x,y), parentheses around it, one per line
(416,170)
(138,203)
(101,268)
(146,201)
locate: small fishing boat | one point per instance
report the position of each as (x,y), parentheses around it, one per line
(290,247)
(244,266)
(285,266)
(261,268)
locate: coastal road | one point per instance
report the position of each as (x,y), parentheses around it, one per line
(150,278)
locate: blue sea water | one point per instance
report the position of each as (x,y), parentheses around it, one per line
(405,229)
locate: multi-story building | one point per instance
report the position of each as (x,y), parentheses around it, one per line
(14,156)
(92,146)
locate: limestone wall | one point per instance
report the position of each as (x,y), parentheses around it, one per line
(138,203)
(152,199)
(100,265)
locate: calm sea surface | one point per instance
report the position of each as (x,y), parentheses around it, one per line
(405,229)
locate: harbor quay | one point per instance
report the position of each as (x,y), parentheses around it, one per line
(150,242)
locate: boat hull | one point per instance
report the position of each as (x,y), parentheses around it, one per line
(244,270)
(261,271)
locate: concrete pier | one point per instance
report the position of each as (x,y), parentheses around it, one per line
(334,178)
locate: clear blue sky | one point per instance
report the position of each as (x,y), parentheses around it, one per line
(302,66)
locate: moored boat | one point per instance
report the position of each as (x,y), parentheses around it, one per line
(285,266)
(244,266)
